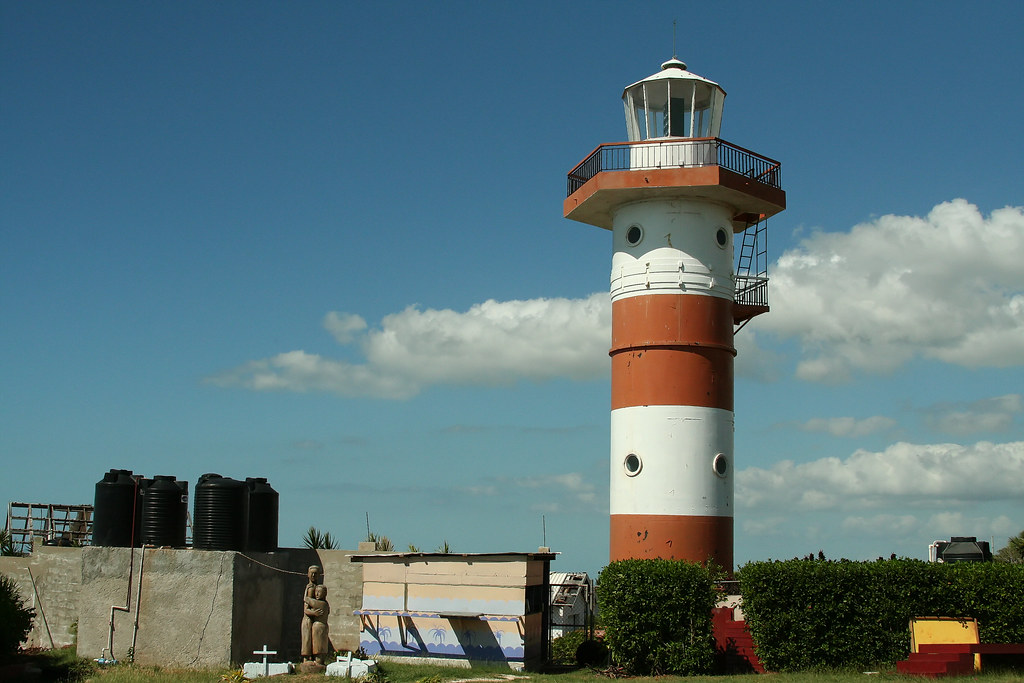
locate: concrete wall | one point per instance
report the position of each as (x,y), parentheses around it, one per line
(273,596)
(193,608)
(57,573)
(208,608)
(181,601)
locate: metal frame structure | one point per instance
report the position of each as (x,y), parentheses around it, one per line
(54,522)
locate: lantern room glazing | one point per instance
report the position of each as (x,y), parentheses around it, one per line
(673,103)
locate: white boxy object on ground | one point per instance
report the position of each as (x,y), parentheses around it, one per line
(253,670)
(352,668)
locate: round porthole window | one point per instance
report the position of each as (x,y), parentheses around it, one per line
(634,234)
(722,237)
(720,464)
(632,464)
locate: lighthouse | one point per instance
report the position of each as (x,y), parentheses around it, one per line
(688,214)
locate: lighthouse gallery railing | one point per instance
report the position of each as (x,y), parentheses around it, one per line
(651,154)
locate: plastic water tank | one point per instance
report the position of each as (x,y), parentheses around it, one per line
(164,504)
(219,516)
(261,533)
(116,509)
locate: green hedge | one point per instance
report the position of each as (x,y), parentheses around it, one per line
(657,616)
(819,613)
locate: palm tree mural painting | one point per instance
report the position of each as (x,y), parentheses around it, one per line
(438,634)
(383,633)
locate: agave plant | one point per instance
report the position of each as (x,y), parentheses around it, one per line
(319,540)
(7,544)
(380,543)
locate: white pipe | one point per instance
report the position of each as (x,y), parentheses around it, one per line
(118,608)
(128,599)
(138,598)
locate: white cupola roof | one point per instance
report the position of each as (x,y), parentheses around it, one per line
(673,103)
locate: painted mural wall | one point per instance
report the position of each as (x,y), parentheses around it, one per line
(475,608)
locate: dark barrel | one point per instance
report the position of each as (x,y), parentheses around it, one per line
(164,505)
(261,534)
(219,515)
(117,509)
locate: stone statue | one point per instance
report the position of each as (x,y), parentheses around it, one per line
(317,609)
(314,573)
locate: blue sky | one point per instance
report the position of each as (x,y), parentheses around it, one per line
(323,243)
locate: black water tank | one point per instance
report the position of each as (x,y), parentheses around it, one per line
(261,536)
(218,520)
(164,504)
(965,549)
(117,509)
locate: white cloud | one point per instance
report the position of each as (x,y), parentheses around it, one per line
(904,473)
(754,361)
(991,414)
(948,286)
(344,326)
(888,524)
(942,525)
(848,426)
(570,483)
(493,343)
(763,525)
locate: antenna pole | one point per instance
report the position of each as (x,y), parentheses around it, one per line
(544,530)
(674,54)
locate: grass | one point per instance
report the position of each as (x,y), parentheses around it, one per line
(62,665)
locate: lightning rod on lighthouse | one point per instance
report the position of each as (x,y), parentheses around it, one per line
(676,198)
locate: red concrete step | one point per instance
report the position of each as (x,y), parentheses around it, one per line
(733,639)
(936,664)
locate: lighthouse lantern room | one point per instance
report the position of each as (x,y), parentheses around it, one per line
(673,103)
(676,197)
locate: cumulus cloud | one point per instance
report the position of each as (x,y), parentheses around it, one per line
(903,473)
(948,286)
(571,483)
(753,361)
(551,492)
(493,343)
(987,415)
(942,525)
(344,326)
(891,524)
(848,426)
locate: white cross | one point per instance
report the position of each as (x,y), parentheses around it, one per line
(266,664)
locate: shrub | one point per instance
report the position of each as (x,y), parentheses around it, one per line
(657,615)
(592,653)
(15,617)
(563,648)
(810,613)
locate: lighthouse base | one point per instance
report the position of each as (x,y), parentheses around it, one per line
(672,537)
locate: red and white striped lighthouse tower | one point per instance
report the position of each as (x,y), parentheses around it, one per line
(676,198)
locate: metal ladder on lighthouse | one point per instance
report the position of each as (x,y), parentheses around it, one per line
(752,268)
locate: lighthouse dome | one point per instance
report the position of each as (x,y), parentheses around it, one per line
(673,103)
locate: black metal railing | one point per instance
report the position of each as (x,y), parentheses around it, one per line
(751,290)
(625,156)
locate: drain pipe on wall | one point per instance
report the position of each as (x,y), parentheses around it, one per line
(109,649)
(138,599)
